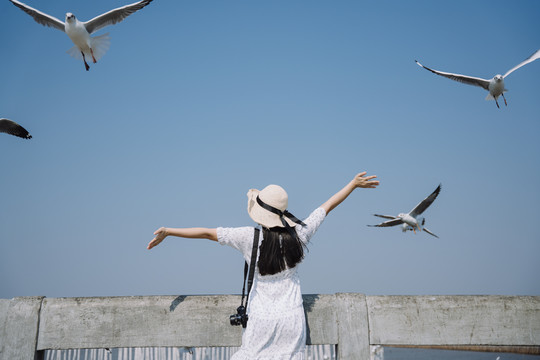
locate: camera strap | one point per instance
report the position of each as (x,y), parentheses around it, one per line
(254,251)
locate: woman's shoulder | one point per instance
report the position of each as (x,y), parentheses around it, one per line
(239,229)
(316,217)
(234,234)
(240,238)
(312,223)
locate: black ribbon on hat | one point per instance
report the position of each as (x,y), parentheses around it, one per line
(282,215)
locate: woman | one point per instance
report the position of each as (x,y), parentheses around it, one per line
(276,328)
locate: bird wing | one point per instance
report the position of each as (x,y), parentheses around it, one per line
(531,58)
(385,216)
(430,233)
(424,204)
(469,80)
(393,222)
(114,16)
(40,17)
(11,127)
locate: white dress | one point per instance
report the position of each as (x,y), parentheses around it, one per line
(276,328)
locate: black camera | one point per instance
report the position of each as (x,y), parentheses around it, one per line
(240,318)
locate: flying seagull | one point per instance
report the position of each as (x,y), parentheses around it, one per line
(12,128)
(495,86)
(79,32)
(411,221)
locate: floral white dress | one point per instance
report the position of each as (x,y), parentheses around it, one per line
(276,328)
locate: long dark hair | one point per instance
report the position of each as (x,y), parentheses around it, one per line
(279,251)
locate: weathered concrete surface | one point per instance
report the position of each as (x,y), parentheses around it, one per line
(353,328)
(353,321)
(454,320)
(161,321)
(4,307)
(321,319)
(19,327)
(4,310)
(138,322)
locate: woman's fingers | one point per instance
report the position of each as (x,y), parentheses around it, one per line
(366,181)
(155,241)
(362,174)
(160,235)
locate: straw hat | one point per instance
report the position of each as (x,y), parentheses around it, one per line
(273,195)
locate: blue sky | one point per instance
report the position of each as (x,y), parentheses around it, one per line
(198,101)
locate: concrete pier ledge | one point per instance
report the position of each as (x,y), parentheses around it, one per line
(354,322)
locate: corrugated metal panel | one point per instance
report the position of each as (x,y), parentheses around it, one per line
(314,352)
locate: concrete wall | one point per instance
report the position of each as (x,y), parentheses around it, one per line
(353,321)
(19,327)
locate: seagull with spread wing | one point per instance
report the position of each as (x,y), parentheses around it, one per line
(79,32)
(495,86)
(412,220)
(11,127)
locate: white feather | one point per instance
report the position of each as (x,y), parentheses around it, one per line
(100,45)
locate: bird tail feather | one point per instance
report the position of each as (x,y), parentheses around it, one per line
(100,45)
(74,52)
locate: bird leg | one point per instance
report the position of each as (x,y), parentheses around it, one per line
(94,59)
(496,102)
(504,100)
(85,64)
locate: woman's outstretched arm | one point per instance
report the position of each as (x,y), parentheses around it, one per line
(192,233)
(359,181)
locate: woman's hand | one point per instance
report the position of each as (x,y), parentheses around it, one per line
(359,181)
(161,234)
(190,233)
(366,182)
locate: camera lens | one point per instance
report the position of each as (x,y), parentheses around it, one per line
(240,318)
(234,319)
